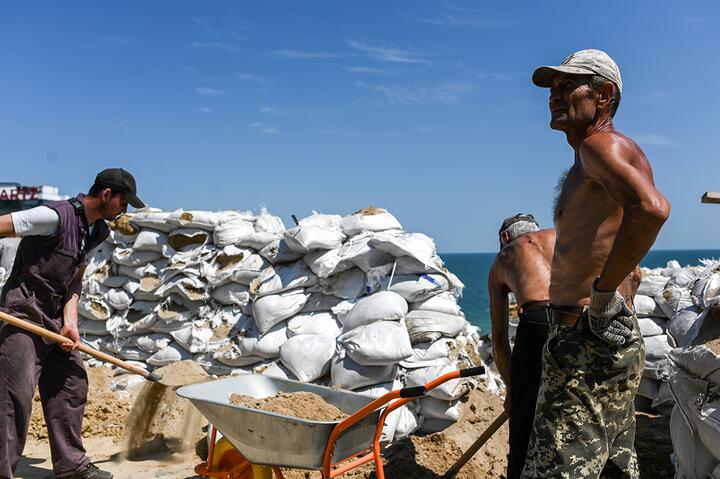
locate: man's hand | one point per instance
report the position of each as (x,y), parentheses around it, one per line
(70,331)
(609,317)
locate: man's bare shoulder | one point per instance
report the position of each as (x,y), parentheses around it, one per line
(529,243)
(609,145)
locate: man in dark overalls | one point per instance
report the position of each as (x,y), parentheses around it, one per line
(522,267)
(44,287)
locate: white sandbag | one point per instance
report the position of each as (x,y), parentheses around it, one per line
(377,344)
(369,219)
(232,231)
(229,355)
(188,239)
(321,220)
(154,219)
(249,269)
(706,420)
(276,279)
(656,351)
(152,343)
(113,281)
(131,257)
(189,287)
(130,353)
(427,326)
(151,240)
(448,391)
(428,354)
(318,302)
(705,291)
(121,239)
(684,326)
(270,310)
(322,322)
(673,299)
(268,223)
(304,239)
(231,293)
(664,396)
(259,240)
(308,356)
(205,220)
(94,308)
(118,298)
(398,244)
(223,263)
(275,369)
(195,339)
(442,303)
(692,458)
(347,374)
(417,288)
(137,272)
(646,307)
(408,422)
(652,285)
(249,341)
(699,361)
(278,252)
(652,326)
(177,309)
(168,355)
(648,388)
(434,408)
(385,305)
(327,263)
(431,425)
(93,327)
(347,285)
(354,252)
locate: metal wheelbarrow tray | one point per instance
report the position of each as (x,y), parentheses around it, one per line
(272,439)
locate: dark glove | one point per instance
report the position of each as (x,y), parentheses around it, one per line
(609,317)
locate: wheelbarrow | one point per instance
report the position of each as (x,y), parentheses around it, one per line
(265,441)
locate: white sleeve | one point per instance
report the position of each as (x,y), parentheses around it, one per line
(38,221)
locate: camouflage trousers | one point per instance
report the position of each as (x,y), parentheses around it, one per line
(585,415)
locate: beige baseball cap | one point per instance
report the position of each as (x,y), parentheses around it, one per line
(583,62)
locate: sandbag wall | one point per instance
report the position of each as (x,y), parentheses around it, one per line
(352,302)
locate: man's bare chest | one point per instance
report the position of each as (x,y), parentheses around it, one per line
(579,196)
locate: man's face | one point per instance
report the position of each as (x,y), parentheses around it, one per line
(573,102)
(113,204)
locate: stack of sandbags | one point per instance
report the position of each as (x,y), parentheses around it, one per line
(8,249)
(352,302)
(660,303)
(693,371)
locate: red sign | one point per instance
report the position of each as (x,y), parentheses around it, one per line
(17,193)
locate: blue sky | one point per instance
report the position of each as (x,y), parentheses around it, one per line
(424,108)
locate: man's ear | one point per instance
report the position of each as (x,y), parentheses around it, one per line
(605,94)
(506,237)
(106,195)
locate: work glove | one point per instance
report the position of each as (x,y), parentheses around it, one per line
(610,318)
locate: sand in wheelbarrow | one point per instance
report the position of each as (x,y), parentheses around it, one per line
(301,404)
(162,421)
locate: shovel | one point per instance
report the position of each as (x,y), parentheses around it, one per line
(40,331)
(487,434)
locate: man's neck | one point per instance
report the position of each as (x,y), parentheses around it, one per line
(576,137)
(92,209)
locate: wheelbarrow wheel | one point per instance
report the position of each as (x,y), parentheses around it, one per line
(227,458)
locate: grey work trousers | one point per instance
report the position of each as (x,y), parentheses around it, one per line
(26,361)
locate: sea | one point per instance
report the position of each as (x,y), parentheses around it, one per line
(473,269)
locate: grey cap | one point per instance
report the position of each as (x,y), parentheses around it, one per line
(583,62)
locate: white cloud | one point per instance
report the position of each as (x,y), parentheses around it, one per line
(260,127)
(464,20)
(367,70)
(268,109)
(446,93)
(386,54)
(214,46)
(654,139)
(249,77)
(205,109)
(296,54)
(209,92)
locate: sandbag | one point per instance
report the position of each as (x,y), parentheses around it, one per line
(398,244)
(321,220)
(322,322)
(700,361)
(652,326)
(152,343)
(151,240)
(119,299)
(428,354)
(434,408)
(195,339)
(652,285)
(347,374)
(427,326)
(646,307)
(223,263)
(278,252)
(369,219)
(268,223)
(377,344)
(448,391)
(131,257)
(94,308)
(656,351)
(270,310)
(416,288)
(177,309)
(205,220)
(304,239)
(231,293)
(232,231)
(385,305)
(705,292)
(318,302)
(169,354)
(276,279)
(442,303)
(347,285)
(684,326)
(692,457)
(308,356)
(189,287)
(154,219)
(188,239)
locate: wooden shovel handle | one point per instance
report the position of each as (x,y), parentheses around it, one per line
(40,331)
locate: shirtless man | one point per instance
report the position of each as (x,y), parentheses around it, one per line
(607,217)
(522,267)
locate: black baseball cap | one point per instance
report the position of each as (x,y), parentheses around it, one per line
(120,180)
(515,219)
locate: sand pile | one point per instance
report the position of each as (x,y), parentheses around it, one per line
(302,404)
(105,414)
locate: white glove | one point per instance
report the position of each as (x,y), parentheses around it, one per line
(609,317)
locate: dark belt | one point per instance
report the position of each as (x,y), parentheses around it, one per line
(566,315)
(533,305)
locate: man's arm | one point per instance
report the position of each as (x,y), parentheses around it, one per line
(6,226)
(70,311)
(499,322)
(645,209)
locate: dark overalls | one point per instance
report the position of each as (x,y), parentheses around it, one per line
(37,291)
